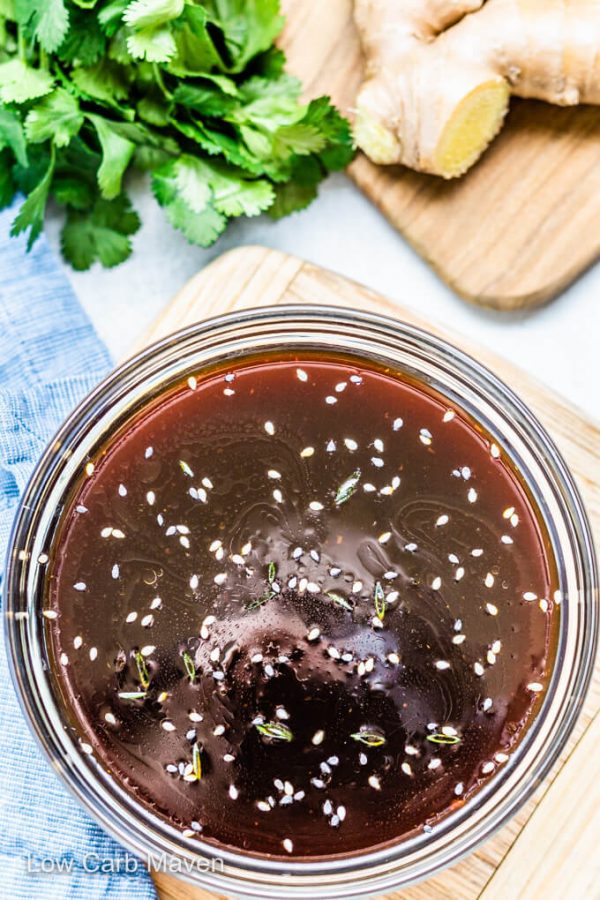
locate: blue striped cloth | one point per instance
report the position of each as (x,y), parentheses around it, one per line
(50,357)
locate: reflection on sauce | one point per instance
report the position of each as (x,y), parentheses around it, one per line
(302,607)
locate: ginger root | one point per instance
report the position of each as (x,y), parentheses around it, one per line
(440,73)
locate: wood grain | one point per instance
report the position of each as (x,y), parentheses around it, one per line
(520,227)
(548,850)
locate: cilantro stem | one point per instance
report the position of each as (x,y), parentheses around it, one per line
(21,44)
(43,59)
(161,82)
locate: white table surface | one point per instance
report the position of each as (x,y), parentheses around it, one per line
(559,344)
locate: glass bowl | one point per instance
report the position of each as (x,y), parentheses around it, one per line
(466,384)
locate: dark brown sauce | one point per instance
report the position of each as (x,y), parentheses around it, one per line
(338,677)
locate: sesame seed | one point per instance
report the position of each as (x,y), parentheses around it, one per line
(501,757)
(406,768)
(478,669)
(459,574)
(375,782)
(459,789)
(229,392)
(378,444)
(148,452)
(220,579)
(411,548)
(110,718)
(472,495)
(384,538)
(151,498)
(89,469)
(50,614)
(122,490)
(288,845)
(316,506)
(350,444)
(449,415)
(233,792)
(167,726)
(356,379)
(148,650)
(397,424)
(377,461)
(313,634)
(218,730)
(529,596)
(495,450)
(489,580)
(273,473)
(42,558)
(131,617)
(301,375)
(487,768)
(330,399)
(442,664)
(269,428)
(263,806)
(93,653)
(277,496)
(442,520)
(477,552)
(308,451)
(425,437)
(434,763)
(192,383)
(487,704)
(459,639)
(491,609)
(535,686)
(369,488)
(506,539)
(80,586)
(333,652)
(436,583)
(393,658)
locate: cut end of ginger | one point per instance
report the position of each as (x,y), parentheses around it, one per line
(472,127)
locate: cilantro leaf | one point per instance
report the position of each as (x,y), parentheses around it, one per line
(20,83)
(116,156)
(85,42)
(152,44)
(101,234)
(11,134)
(150,13)
(299,192)
(47,21)
(249,27)
(57,117)
(7,182)
(31,214)
(199,224)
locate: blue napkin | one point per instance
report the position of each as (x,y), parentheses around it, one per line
(50,357)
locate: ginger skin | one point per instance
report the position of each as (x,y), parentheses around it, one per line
(440,73)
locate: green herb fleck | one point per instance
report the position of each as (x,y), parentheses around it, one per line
(185,468)
(339,600)
(277,731)
(380,604)
(132,695)
(443,739)
(260,601)
(370,738)
(197,761)
(347,488)
(272,572)
(190,668)
(142,669)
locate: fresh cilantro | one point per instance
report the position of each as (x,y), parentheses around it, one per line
(192,92)
(99,234)
(57,118)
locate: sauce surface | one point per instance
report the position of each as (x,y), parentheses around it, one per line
(301,608)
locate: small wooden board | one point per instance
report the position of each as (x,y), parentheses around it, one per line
(549,850)
(520,227)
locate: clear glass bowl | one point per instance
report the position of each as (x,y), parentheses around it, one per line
(466,384)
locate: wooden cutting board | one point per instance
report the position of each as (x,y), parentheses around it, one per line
(549,850)
(520,227)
